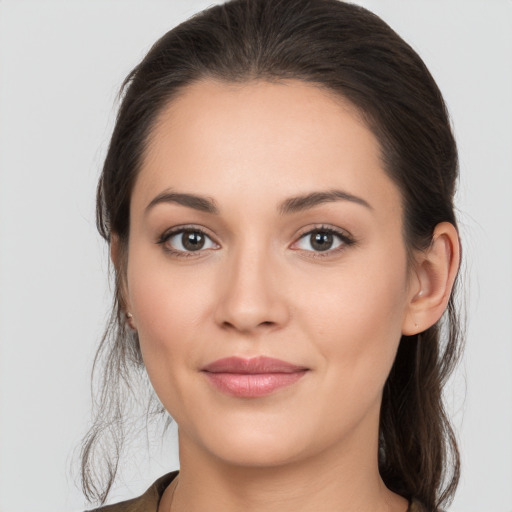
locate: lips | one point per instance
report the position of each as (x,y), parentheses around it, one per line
(250,378)
(255,365)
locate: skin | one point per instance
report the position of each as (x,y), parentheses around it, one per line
(258,287)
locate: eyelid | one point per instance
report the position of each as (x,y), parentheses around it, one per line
(345,237)
(176,230)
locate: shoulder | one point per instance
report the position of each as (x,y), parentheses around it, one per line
(147,502)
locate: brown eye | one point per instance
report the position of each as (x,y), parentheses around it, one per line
(192,240)
(188,240)
(321,241)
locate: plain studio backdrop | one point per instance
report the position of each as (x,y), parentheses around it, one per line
(61,63)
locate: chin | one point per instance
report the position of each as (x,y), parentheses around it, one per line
(256,446)
(256,456)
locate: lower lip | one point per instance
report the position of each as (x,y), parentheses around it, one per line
(250,385)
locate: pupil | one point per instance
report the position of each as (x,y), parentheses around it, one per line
(322,241)
(192,241)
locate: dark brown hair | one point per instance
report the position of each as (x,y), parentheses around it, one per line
(352,52)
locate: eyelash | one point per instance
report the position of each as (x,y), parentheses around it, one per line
(346,241)
(167,235)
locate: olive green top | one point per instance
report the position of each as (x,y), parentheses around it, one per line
(149,501)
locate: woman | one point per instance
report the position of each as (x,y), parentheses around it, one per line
(278,200)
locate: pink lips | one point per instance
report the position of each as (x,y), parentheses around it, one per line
(254,377)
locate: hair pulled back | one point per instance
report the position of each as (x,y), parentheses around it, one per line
(352,52)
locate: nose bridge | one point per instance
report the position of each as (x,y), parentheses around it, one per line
(251,296)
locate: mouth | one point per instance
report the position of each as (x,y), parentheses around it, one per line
(251,378)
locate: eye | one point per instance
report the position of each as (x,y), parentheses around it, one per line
(187,241)
(322,240)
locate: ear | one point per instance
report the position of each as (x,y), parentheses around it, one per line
(434,274)
(118,257)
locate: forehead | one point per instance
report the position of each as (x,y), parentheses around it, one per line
(261,139)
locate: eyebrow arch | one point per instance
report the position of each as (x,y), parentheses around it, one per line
(305,202)
(203,204)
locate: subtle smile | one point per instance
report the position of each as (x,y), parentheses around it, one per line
(250,378)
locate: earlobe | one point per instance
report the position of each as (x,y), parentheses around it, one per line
(436,270)
(130,321)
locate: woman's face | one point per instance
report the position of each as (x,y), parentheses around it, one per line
(263,224)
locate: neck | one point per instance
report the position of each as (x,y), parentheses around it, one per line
(338,479)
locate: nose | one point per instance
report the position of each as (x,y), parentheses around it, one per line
(253,295)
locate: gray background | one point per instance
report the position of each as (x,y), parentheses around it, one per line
(61,63)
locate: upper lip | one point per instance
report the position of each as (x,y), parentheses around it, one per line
(254,365)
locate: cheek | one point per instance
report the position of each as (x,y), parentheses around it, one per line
(356,315)
(168,310)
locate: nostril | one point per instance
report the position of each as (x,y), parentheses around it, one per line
(230,326)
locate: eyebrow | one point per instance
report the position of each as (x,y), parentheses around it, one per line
(307,201)
(203,204)
(291,205)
